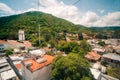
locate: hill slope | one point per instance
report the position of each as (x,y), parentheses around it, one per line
(50,26)
(107,32)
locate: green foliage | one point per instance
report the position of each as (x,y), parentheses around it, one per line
(73,47)
(107,32)
(101,43)
(71,67)
(50,27)
(9,52)
(114,72)
(101,36)
(67,47)
(80,37)
(85,46)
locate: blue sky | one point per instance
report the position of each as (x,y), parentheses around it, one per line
(85,12)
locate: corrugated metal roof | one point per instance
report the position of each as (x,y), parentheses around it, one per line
(112,56)
(8,74)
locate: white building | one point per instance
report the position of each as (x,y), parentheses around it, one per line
(6,72)
(98,75)
(21,35)
(39,69)
(39,52)
(3,45)
(112,59)
(8,75)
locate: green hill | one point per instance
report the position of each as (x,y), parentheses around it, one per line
(107,31)
(50,26)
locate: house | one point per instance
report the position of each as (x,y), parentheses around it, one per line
(113,42)
(19,67)
(8,75)
(3,45)
(27,44)
(22,46)
(37,53)
(111,59)
(108,49)
(117,49)
(38,69)
(14,44)
(99,50)
(6,72)
(99,67)
(92,56)
(71,37)
(98,75)
(86,36)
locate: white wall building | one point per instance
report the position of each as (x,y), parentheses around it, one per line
(21,35)
(39,69)
(3,45)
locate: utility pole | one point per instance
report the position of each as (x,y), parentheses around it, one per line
(38,24)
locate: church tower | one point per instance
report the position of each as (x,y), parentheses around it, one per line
(21,35)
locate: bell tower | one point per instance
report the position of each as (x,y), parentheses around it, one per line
(21,35)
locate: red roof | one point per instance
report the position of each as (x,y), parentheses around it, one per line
(92,56)
(2,41)
(18,66)
(27,44)
(35,65)
(13,42)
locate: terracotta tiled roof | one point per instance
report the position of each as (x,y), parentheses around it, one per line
(13,42)
(27,44)
(47,49)
(35,65)
(2,41)
(18,66)
(92,56)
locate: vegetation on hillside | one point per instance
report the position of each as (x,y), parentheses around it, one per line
(50,27)
(73,47)
(107,32)
(114,72)
(70,67)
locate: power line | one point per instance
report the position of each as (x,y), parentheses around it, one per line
(76,2)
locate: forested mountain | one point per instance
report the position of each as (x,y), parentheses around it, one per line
(107,31)
(50,26)
(106,28)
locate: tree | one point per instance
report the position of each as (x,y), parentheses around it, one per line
(9,52)
(67,47)
(71,67)
(85,46)
(101,43)
(80,36)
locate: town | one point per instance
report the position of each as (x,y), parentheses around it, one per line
(26,62)
(59,39)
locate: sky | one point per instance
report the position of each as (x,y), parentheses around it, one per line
(84,12)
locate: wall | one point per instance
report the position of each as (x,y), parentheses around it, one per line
(41,74)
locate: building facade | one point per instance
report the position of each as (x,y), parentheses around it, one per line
(39,69)
(21,35)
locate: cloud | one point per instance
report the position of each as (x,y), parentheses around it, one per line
(111,19)
(5,8)
(61,10)
(71,13)
(101,11)
(92,19)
